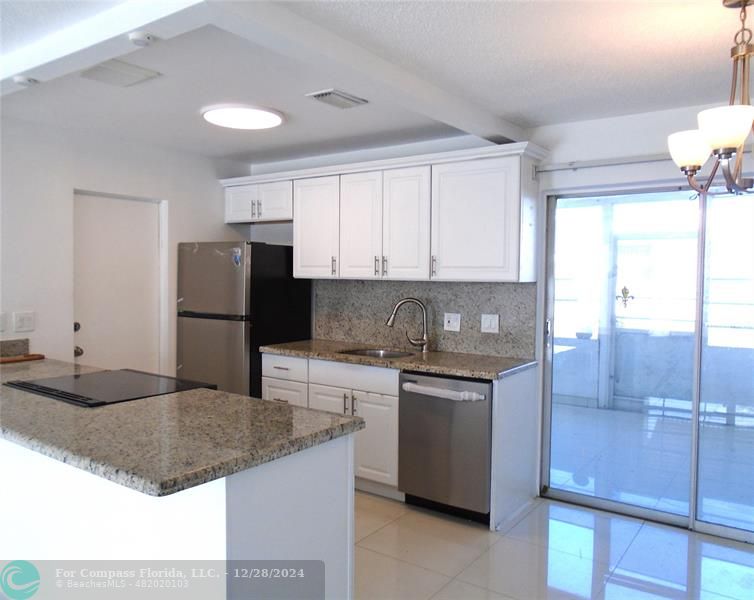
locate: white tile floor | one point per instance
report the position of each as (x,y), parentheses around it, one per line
(556,551)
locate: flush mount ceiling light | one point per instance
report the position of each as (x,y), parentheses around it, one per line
(723,130)
(242,117)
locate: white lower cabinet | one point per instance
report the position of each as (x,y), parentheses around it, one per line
(345,389)
(287,392)
(332,399)
(334,387)
(377,446)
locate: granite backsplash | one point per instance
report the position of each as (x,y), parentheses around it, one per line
(17,347)
(356,311)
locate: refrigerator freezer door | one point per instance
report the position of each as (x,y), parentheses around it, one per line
(215,351)
(214,278)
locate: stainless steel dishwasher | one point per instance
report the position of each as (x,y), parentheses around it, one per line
(444,431)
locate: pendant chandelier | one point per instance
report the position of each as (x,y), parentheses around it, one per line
(723,130)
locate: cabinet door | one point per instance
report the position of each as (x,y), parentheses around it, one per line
(315,227)
(405,233)
(275,201)
(361,225)
(332,399)
(240,201)
(287,392)
(376,449)
(476,220)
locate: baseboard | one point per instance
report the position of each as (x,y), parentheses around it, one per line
(379,489)
(512,519)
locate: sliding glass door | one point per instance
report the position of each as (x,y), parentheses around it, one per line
(633,370)
(726,409)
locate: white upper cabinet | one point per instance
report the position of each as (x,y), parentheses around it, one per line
(259,202)
(275,201)
(405,230)
(477,220)
(361,225)
(316,203)
(464,215)
(239,201)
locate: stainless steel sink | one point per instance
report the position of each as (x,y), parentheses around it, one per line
(377,353)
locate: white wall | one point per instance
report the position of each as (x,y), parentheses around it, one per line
(459,142)
(41,168)
(626,137)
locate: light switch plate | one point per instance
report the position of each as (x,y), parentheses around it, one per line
(490,323)
(452,321)
(24,321)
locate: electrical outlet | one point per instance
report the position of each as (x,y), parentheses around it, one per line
(452,322)
(490,323)
(24,321)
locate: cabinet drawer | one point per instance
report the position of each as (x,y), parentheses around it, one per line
(284,367)
(288,392)
(379,380)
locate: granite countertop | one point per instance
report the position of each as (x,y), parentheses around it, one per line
(163,444)
(477,366)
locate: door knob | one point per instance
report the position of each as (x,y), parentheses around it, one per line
(78,351)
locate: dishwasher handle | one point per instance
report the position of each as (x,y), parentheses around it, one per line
(455,396)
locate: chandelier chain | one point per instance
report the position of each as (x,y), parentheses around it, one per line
(743,35)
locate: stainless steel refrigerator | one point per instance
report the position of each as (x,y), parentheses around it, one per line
(234,297)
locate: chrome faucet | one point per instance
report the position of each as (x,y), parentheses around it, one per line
(422,341)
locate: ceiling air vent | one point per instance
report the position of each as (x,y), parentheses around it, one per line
(337,98)
(118,73)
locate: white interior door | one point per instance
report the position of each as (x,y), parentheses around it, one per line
(116,282)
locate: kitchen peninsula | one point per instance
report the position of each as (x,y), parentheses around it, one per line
(197,474)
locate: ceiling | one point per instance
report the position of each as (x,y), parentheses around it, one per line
(25,21)
(430,69)
(210,66)
(543,62)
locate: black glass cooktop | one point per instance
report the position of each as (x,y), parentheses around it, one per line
(106,387)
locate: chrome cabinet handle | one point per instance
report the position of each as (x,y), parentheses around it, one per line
(345,400)
(376,265)
(280,400)
(384,265)
(333,265)
(259,209)
(281,368)
(434,265)
(353,404)
(253,209)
